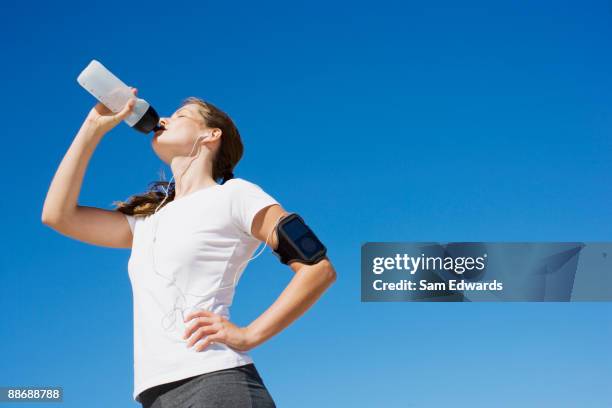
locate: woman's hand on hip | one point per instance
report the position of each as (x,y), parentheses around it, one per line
(214,328)
(102,119)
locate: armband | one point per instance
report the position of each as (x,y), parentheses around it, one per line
(297,242)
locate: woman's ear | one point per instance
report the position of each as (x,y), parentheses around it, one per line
(216,133)
(212,135)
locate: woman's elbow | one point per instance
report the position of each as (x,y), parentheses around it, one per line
(323,270)
(328,270)
(48,219)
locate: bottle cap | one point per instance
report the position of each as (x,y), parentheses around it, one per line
(149,121)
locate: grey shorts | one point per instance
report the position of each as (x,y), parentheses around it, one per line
(236,387)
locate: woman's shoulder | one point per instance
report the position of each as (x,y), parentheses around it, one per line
(242,189)
(240,183)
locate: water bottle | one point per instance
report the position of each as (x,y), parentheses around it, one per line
(114,94)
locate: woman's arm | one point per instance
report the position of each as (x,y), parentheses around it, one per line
(307,285)
(61,210)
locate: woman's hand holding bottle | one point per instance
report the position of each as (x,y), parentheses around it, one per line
(101,119)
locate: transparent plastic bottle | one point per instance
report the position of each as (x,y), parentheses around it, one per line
(114,94)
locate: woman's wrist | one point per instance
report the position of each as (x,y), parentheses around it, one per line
(254,339)
(91,129)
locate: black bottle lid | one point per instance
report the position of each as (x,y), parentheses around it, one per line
(149,121)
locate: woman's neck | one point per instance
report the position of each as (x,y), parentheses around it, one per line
(191,174)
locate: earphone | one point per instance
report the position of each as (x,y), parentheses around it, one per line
(171,315)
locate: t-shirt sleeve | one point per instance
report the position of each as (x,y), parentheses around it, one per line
(131,220)
(247,200)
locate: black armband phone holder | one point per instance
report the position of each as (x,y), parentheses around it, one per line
(297,242)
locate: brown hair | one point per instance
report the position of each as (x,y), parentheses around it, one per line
(228,155)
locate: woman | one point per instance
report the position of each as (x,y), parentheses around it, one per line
(189,245)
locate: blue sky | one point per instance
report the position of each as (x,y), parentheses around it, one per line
(386,121)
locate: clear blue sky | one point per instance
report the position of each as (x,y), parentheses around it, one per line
(376,121)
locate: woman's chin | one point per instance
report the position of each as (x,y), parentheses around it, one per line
(155,147)
(158,140)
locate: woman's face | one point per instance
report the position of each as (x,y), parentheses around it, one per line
(182,130)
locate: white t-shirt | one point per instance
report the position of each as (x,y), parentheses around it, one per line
(201,243)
